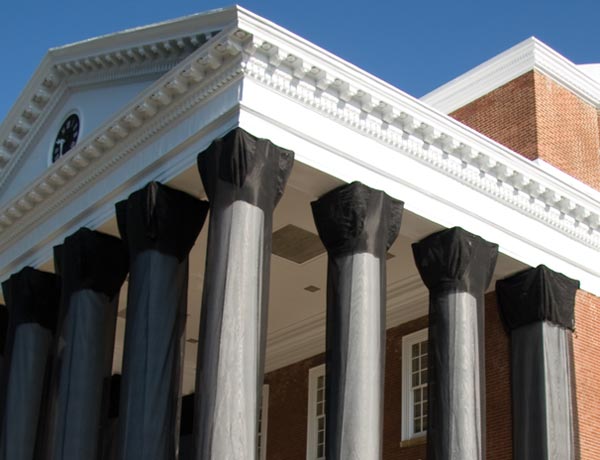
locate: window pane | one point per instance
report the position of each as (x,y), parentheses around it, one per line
(415,350)
(418,369)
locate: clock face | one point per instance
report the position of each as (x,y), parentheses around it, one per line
(66,138)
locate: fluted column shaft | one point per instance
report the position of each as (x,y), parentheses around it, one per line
(32,298)
(92,267)
(159,226)
(244,178)
(357,226)
(537,307)
(457,267)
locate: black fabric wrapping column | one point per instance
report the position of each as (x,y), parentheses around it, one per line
(186,431)
(93,267)
(108,447)
(244,178)
(457,267)
(32,298)
(160,226)
(357,226)
(3,333)
(537,307)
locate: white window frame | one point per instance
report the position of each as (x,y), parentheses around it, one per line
(311,437)
(264,423)
(407,396)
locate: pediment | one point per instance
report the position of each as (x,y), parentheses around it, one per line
(93,80)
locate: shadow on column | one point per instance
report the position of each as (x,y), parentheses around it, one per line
(92,267)
(457,267)
(159,225)
(32,298)
(244,178)
(537,307)
(357,226)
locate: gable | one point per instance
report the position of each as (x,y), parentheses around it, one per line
(93,79)
(93,106)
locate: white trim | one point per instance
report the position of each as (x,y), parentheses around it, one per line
(264,422)
(530,54)
(311,427)
(407,402)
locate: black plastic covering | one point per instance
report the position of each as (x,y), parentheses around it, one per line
(93,267)
(160,226)
(244,178)
(537,294)
(32,298)
(109,444)
(537,307)
(3,333)
(457,267)
(357,226)
(186,430)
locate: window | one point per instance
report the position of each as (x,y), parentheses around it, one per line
(263,420)
(414,385)
(315,449)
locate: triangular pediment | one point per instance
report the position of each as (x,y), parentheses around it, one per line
(79,87)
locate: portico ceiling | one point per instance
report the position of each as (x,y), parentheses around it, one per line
(296,327)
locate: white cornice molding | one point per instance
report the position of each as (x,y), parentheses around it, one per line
(207,71)
(339,91)
(530,54)
(142,51)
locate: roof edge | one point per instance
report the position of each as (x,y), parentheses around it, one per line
(530,54)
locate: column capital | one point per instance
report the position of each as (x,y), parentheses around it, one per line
(537,294)
(161,218)
(91,260)
(354,218)
(32,296)
(455,260)
(244,167)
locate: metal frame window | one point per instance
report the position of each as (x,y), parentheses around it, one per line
(414,384)
(315,449)
(263,422)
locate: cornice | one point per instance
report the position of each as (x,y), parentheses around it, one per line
(531,54)
(339,91)
(197,78)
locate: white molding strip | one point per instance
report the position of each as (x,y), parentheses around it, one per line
(530,54)
(389,116)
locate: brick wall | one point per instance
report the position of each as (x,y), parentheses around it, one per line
(567,131)
(539,118)
(506,115)
(288,397)
(497,374)
(586,353)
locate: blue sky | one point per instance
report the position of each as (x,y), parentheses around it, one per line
(414,45)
